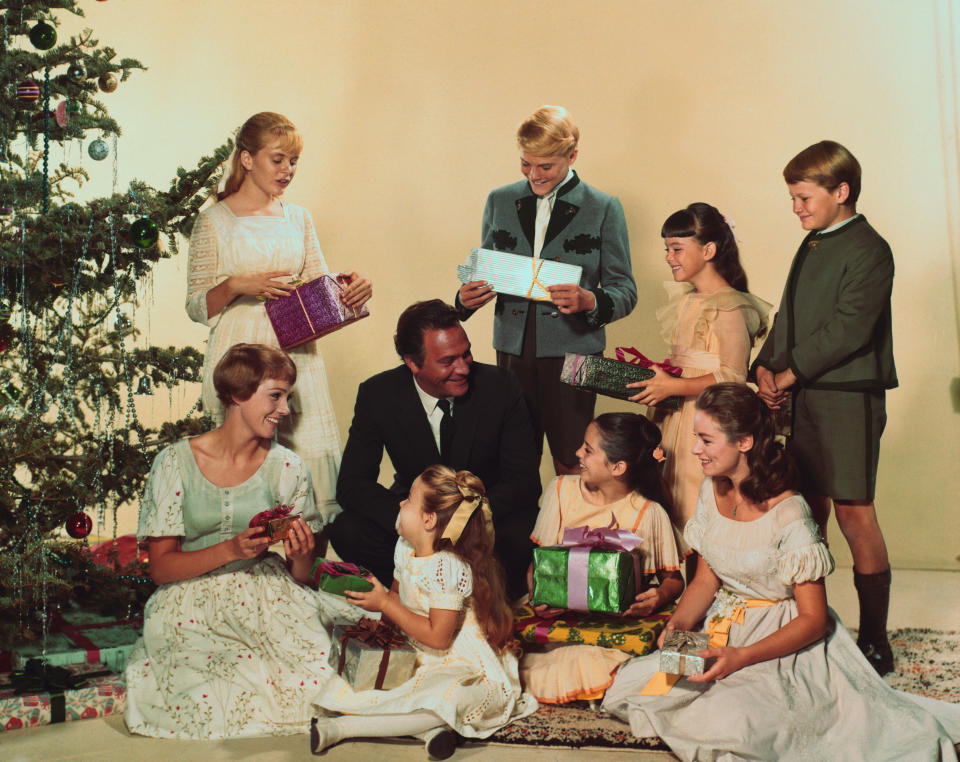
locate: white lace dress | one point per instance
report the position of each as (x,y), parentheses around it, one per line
(240,650)
(824,702)
(473,689)
(223,244)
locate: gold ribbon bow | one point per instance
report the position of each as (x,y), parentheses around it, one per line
(470,501)
(536,263)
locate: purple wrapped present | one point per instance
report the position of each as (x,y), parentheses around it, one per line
(311,310)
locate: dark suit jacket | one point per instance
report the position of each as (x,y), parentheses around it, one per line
(493,439)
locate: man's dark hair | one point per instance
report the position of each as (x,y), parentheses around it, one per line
(417,319)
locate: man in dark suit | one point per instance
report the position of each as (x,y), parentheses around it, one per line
(486,430)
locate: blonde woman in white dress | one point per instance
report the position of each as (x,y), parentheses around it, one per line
(247,248)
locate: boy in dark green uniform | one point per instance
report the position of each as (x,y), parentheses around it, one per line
(831,348)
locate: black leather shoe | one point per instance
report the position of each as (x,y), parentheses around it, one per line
(880,657)
(442,745)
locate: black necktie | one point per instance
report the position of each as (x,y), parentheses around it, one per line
(446,430)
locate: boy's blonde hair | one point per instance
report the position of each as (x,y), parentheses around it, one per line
(549,131)
(826,164)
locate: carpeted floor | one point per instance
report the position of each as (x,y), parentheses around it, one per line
(928,663)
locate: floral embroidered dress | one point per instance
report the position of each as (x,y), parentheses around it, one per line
(473,689)
(237,651)
(562,672)
(707,333)
(824,702)
(223,244)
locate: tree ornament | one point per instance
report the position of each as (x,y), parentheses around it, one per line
(13,393)
(3,346)
(79,525)
(43,36)
(28,91)
(73,106)
(143,387)
(108,82)
(6,211)
(144,233)
(98,150)
(77,72)
(62,114)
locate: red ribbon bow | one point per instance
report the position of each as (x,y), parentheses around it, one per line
(373,633)
(638,358)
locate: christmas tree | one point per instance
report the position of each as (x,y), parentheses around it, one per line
(73,448)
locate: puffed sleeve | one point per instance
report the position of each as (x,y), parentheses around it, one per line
(659,548)
(803,557)
(447,582)
(547,529)
(694,530)
(161,510)
(202,262)
(735,320)
(295,487)
(314,265)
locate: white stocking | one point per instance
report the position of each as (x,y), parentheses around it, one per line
(335,729)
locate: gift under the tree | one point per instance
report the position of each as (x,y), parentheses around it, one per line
(313,309)
(372,655)
(610,377)
(82,636)
(679,653)
(634,636)
(42,694)
(338,576)
(591,570)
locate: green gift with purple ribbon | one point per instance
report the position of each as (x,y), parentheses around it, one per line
(592,570)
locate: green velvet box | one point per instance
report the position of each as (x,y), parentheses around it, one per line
(337,577)
(609,377)
(608,585)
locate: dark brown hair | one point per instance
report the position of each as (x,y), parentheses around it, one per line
(740,413)
(632,438)
(244,367)
(416,320)
(705,223)
(441,495)
(826,164)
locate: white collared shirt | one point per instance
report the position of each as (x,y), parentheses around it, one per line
(839,224)
(433,410)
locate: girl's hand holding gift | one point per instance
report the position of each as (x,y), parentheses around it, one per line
(655,389)
(728,661)
(358,291)
(645,603)
(372,600)
(261,285)
(548,612)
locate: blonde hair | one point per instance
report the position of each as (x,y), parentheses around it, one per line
(548,131)
(826,164)
(258,131)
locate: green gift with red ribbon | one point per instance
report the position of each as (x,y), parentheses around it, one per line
(339,576)
(610,377)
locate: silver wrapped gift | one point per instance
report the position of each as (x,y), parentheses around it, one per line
(678,655)
(372,655)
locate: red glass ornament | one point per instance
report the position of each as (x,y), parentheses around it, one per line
(79,525)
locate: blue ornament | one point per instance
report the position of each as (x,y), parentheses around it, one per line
(98,150)
(43,36)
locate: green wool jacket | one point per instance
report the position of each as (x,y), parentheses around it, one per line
(833,329)
(586,228)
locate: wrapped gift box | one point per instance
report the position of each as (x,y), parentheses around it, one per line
(337,577)
(678,655)
(607,584)
(372,655)
(82,636)
(98,692)
(311,310)
(608,377)
(635,636)
(517,274)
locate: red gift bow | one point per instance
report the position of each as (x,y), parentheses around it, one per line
(339,569)
(373,633)
(644,362)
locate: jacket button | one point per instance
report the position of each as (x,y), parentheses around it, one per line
(515,312)
(554,314)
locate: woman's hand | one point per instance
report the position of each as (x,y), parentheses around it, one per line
(571,298)
(729,660)
(475,294)
(669,628)
(655,389)
(645,603)
(298,547)
(358,291)
(372,600)
(261,285)
(249,543)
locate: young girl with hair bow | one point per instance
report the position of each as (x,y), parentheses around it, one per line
(448,597)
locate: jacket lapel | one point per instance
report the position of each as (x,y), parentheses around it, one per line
(527,214)
(466,418)
(413,420)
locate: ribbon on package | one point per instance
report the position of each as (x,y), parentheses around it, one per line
(681,641)
(633,356)
(372,633)
(536,263)
(582,540)
(73,632)
(339,568)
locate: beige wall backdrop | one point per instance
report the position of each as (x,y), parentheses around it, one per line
(408,110)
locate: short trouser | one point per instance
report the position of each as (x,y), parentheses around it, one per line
(559,410)
(836,441)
